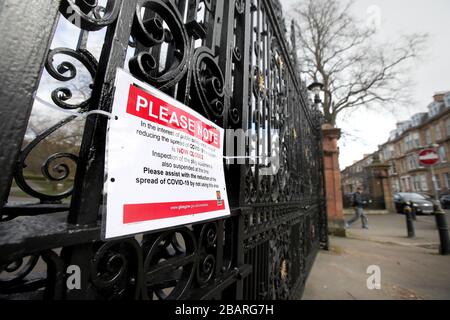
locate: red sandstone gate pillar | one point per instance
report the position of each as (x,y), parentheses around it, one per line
(380,171)
(335,211)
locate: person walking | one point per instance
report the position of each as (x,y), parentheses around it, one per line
(358,205)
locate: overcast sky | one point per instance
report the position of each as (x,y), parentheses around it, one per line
(430,75)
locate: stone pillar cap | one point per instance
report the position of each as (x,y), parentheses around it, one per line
(331,131)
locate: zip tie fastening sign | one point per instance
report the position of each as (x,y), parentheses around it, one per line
(74,113)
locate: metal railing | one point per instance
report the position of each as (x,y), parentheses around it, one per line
(263,251)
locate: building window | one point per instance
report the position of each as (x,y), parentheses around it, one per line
(447,180)
(434,109)
(388,153)
(412,162)
(437,182)
(438,133)
(396,186)
(443,154)
(411,141)
(392,169)
(416,183)
(423,183)
(428,139)
(404,185)
(410,165)
(416,140)
(403,164)
(407,143)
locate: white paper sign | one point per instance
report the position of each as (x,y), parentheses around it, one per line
(164,163)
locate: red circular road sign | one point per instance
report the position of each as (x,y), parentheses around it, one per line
(428,157)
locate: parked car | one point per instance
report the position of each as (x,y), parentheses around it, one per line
(418,202)
(427,196)
(445,201)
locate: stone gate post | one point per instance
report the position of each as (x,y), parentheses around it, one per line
(380,172)
(335,211)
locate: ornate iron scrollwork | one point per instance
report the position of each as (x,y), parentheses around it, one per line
(280,263)
(250,186)
(207,253)
(169,266)
(88,14)
(62,170)
(208,84)
(14,272)
(154,24)
(116,269)
(61,95)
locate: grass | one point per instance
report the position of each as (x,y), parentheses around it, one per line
(41,185)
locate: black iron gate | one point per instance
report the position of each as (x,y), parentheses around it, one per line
(231,61)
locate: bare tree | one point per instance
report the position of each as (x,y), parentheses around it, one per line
(342,53)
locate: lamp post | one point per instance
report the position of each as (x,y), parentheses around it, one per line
(316,88)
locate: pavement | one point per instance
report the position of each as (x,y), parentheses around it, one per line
(411,269)
(351,211)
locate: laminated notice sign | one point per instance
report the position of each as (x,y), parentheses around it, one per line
(164,163)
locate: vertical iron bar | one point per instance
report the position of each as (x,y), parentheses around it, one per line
(220,245)
(258,113)
(241,102)
(89,180)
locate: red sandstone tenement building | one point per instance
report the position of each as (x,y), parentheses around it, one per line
(399,154)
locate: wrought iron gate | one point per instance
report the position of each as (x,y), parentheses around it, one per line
(231,61)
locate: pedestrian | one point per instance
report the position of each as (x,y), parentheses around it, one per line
(358,204)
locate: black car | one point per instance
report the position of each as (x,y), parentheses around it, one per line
(445,201)
(418,202)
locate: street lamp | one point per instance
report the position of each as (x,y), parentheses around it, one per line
(316,88)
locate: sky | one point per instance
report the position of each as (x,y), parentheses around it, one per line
(366,129)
